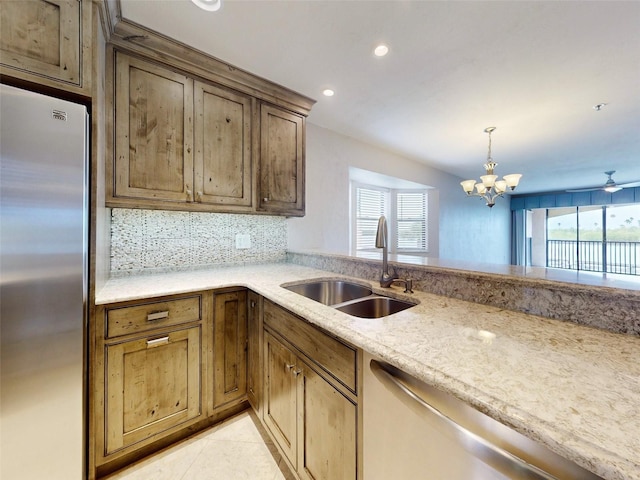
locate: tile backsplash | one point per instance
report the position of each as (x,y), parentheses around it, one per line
(157,240)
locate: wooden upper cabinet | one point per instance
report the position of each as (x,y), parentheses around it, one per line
(47,42)
(222,163)
(282,145)
(197,141)
(153,132)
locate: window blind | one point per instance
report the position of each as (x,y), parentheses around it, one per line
(411,221)
(370,204)
(406,212)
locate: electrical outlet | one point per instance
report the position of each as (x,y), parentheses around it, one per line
(243,241)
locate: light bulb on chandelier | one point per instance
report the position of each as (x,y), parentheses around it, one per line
(490,188)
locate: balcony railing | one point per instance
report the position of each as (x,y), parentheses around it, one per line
(593,256)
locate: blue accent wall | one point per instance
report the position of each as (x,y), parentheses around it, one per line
(576,199)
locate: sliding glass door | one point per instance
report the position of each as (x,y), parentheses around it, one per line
(622,237)
(593,238)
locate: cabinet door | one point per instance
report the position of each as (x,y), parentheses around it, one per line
(280,397)
(281,161)
(222,161)
(254,352)
(42,37)
(327,430)
(229,348)
(153,132)
(152,385)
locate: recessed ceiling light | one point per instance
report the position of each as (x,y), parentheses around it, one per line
(208,5)
(327,92)
(381,50)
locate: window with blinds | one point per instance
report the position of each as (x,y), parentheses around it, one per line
(406,212)
(411,221)
(370,204)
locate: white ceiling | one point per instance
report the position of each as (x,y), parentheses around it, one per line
(532,69)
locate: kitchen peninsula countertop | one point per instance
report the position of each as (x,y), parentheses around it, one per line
(559,275)
(572,388)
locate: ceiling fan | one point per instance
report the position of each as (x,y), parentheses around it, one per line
(610,185)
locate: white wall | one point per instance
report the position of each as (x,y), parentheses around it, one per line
(467,229)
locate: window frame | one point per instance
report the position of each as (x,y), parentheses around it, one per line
(390,209)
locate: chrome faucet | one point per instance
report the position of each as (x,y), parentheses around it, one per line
(382,241)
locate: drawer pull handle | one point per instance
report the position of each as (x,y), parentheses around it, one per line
(156,342)
(152,317)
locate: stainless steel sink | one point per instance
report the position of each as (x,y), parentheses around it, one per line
(350,298)
(374,307)
(330,292)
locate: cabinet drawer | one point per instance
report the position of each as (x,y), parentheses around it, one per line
(334,356)
(138,318)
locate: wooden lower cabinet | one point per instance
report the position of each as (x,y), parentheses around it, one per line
(167,367)
(152,385)
(280,396)
(327,429)
(254,350)
(229,348)
(163,369)
(311,420)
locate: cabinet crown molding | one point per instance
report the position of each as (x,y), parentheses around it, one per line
(154,45)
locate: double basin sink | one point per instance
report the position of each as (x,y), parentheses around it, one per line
(350,298)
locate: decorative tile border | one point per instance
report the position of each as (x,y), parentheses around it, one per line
(157,240)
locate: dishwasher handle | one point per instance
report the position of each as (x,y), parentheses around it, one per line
(475,443)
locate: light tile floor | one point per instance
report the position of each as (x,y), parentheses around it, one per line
(235,449)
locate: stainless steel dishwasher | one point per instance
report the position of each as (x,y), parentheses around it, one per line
(414,431)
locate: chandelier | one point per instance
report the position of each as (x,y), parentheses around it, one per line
(490,187)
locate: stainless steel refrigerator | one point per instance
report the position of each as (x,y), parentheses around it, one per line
(43,286)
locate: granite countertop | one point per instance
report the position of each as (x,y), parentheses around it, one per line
(572,388)
(536,274)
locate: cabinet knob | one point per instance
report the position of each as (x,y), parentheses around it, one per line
(253,304)
(289,367)
(297,372)
(265,199)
